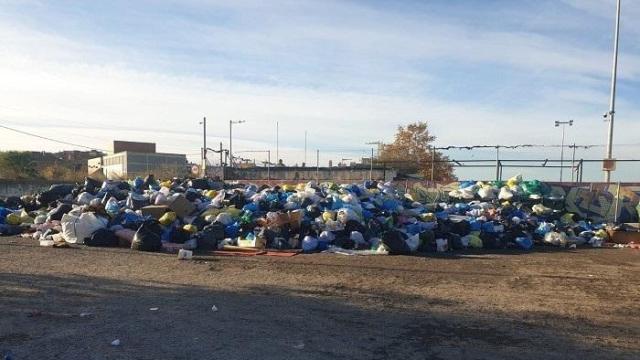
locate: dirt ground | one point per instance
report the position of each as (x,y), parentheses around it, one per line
(72,303)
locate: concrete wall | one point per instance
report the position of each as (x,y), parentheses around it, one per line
(343,174)
(16,188)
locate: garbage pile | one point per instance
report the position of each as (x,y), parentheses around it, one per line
(371,218)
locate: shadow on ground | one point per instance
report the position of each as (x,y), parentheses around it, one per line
(41,319)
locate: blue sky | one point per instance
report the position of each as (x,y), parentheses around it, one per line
(348,72)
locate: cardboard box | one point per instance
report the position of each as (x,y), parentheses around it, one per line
(155,211)
(632,234)
(181,206)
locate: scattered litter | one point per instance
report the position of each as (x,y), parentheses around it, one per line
(85,314)
(299,346)
(115,342)
(214,308)
(153,309)
(185,254)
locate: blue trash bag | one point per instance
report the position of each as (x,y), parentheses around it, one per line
(524,243)
(232,230)
(475,225)
(253,207)
(488,227)
(467,183)
(138,182)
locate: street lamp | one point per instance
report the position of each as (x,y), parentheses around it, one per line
(231,122)
(563,123)
(204,146)
(612,100)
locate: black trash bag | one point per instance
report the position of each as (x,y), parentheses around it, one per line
(236,199)
(14,202)
(180,236)
(191,195)
(91,185)
(147,238)
(47,197)
(461,228)
(200,184)
(210,235)
(102,237)
(427,241)
(62,190)
(10,230)
(313,211)
(61,209)
(455,241)
(354,225)
(394,241)
(491,241)
(137,201)
(344,241)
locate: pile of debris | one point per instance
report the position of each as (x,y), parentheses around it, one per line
(368,218)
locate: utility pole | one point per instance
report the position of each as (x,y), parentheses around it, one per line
(231,122)
(204,146)
(371,168)
(220,153)
(305,148)
(563,123)
(612,101)
(573,162)
(317,166)
(497,163)
(433,164)
(277,142)
(380,145)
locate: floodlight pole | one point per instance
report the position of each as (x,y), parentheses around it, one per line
(563,123)
(204,146)
(612,102)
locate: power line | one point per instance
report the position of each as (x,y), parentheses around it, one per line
(50,139)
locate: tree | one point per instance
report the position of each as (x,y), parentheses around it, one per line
(17,165)
(411,153)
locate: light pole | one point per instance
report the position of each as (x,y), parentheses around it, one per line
(231,122)
(563,123)
(204,146)
(612,101)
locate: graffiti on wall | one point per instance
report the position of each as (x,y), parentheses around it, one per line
(594,201)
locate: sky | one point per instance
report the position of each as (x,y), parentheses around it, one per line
(346,72)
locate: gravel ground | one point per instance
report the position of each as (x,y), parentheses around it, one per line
(548,304)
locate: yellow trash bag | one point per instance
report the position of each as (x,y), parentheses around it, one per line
(210,194)
(301,187)
(190,228)
(514,181)
(231,210)
(475,241)
(428,217)
(166,183)
(602,233)
(211,212)
(13,219)
(328,215)
(25,218)
(167,218)
(288,187)
(567,219)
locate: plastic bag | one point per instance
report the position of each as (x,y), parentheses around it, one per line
(442,245)
(505,194)
(167,218)
(309,243)
(77,228)
(147,238)
(555,238)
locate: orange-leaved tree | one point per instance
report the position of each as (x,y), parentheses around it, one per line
(412,152)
